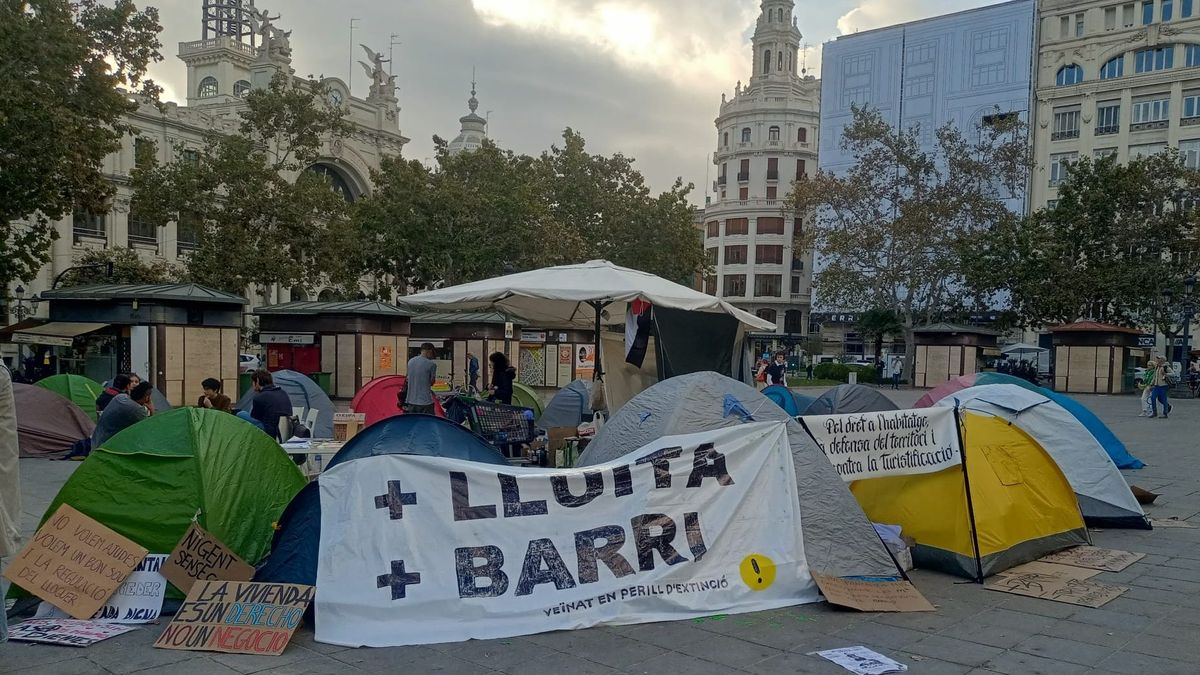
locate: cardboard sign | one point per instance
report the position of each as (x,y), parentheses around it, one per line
(200,556)
(74,562)
(1172,522)
(872,596)
(1050,570)
(1094,557)
(139,599)
(68,632)
(1085,592)
(237,617)
(347,425)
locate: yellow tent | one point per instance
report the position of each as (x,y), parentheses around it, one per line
(1024,507)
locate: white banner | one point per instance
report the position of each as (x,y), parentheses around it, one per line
(890,443)
(420,550)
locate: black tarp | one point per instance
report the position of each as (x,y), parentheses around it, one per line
(694,342)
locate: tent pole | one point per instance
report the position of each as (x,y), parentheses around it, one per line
(598,372)
(962,453)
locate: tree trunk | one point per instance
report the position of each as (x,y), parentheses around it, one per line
(910,354)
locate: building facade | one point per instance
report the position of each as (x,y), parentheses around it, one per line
(241,49)
(766,139)
(473,130)
(1114,78)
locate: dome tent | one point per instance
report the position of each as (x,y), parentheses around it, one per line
(845,399)
(296,544)
(149,480)
(838,538)
(1104,496)
(970,380)
(787,399)
(80,390)
(379,398)
(304,394)
(571,406)
(48,424)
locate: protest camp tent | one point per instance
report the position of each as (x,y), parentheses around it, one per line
(787,399)
(296,543)
(525,397)
(304,394)
(48,424)
(845,399)
(838,538)
(147,481)
(1024,507)
(378,399)
(80,390)
(1104,496)
(1099,430)
(569,407)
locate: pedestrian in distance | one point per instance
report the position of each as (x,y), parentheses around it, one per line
(776,371)
(1146,385)
(418,388)
(502,378)
(897,371)
(1161,383)
(472,373)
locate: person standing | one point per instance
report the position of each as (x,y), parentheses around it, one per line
(472,373)
(422,370)
(212,398)
(1159,392)
(809,369)
(777,371)
(10,481)
(123,411)
(120,384)
(1146,384)
(897,372)
(502,378)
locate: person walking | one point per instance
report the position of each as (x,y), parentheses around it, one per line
(472,373)
(418,388)
(123,411)
(212,398)
(502,378)
(1159,392)
(1146,383)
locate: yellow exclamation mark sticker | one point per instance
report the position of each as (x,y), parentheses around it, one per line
(758,571)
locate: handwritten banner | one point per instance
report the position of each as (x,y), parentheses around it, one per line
(74,563)
(237,617)
(200,556)
(420,550)
(890,443)
(138,599)
(68,632)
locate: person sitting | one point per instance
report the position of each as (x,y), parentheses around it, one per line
(212,398)
(270,404)
(124,410)
(502,379)
(120,384)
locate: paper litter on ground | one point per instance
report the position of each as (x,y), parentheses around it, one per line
(862,661)
(69,632)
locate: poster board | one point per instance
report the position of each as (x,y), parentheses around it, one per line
(200,556)
(385,358)
(237,617)
(74,563)
(565,364)
(65,632)
(873,596)
(139,598)
(585,361)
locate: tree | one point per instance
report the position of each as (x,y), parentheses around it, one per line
(888,231)
(258,216)
(128,267)
(61,113)
(1119,236)
(874,324)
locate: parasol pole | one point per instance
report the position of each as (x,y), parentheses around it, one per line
(598,372)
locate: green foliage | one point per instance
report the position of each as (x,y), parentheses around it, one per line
(1119,235)
(259,217)
(841,372)
(61,113)
(128,266)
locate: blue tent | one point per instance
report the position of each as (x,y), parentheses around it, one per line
(791,402)
(1112,445)
(297,540)
(304,394)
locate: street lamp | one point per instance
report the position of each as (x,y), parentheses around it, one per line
(24,307)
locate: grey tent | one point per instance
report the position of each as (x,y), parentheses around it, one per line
(838,538)
(845,399)
(305,394)
(570,406)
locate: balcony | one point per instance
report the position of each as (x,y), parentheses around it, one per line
(87,235)
(1064,135)
(743,176)
(1149,126)
(223,42)
(1108,130)
(721,179)
(1189,121)
(773,175)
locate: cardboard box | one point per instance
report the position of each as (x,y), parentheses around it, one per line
(347,425)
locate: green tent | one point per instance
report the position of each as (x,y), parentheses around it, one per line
(148,481)
(80,390)
(525,396)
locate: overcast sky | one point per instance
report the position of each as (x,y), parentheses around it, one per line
(641,77)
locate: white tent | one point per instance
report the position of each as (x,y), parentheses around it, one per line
(1104,496)
(1023,348)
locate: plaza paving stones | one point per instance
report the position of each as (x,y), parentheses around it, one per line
(1153,628)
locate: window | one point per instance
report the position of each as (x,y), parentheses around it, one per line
(143,151)
(1167,9)
(714,228)
(187,232)
(765,254)
(87,224)
(802,135)
(190,157)
(1051,204)
(1185,9)
(735,286)
(773,134)
(1191,56)
(796,284)
(735,255)
(744,170)
(1066,123)
(800,169)
(797,230)
(710,285)
(772,192)
(766,62)
(1110,18)
(141,231)
(721,178)
(768,285)
(779,60)
(772,168)
(1079,23)
(766,314)
(857,95)
(988,60)
(725,139)
(207,88)
(1115,67)
(1068,75)
(1147,12)
(1101,153)
(1150,60)
(241,88)
(743,194)
(793,321)
(1189,151)
(1191,107)
(746,134)
(1064,26)
(737,226)
(1060,163)
(1151,111)
(1146,150)
(766,225)
(1108,117)
(711,255)
(1127,15)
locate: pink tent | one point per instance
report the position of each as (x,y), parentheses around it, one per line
(48,424)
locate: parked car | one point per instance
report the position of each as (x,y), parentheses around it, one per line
(248,363)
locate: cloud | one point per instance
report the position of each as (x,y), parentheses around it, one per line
(870,14)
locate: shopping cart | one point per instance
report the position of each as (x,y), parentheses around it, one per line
(507,427)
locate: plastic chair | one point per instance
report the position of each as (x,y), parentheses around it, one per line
(310,420)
